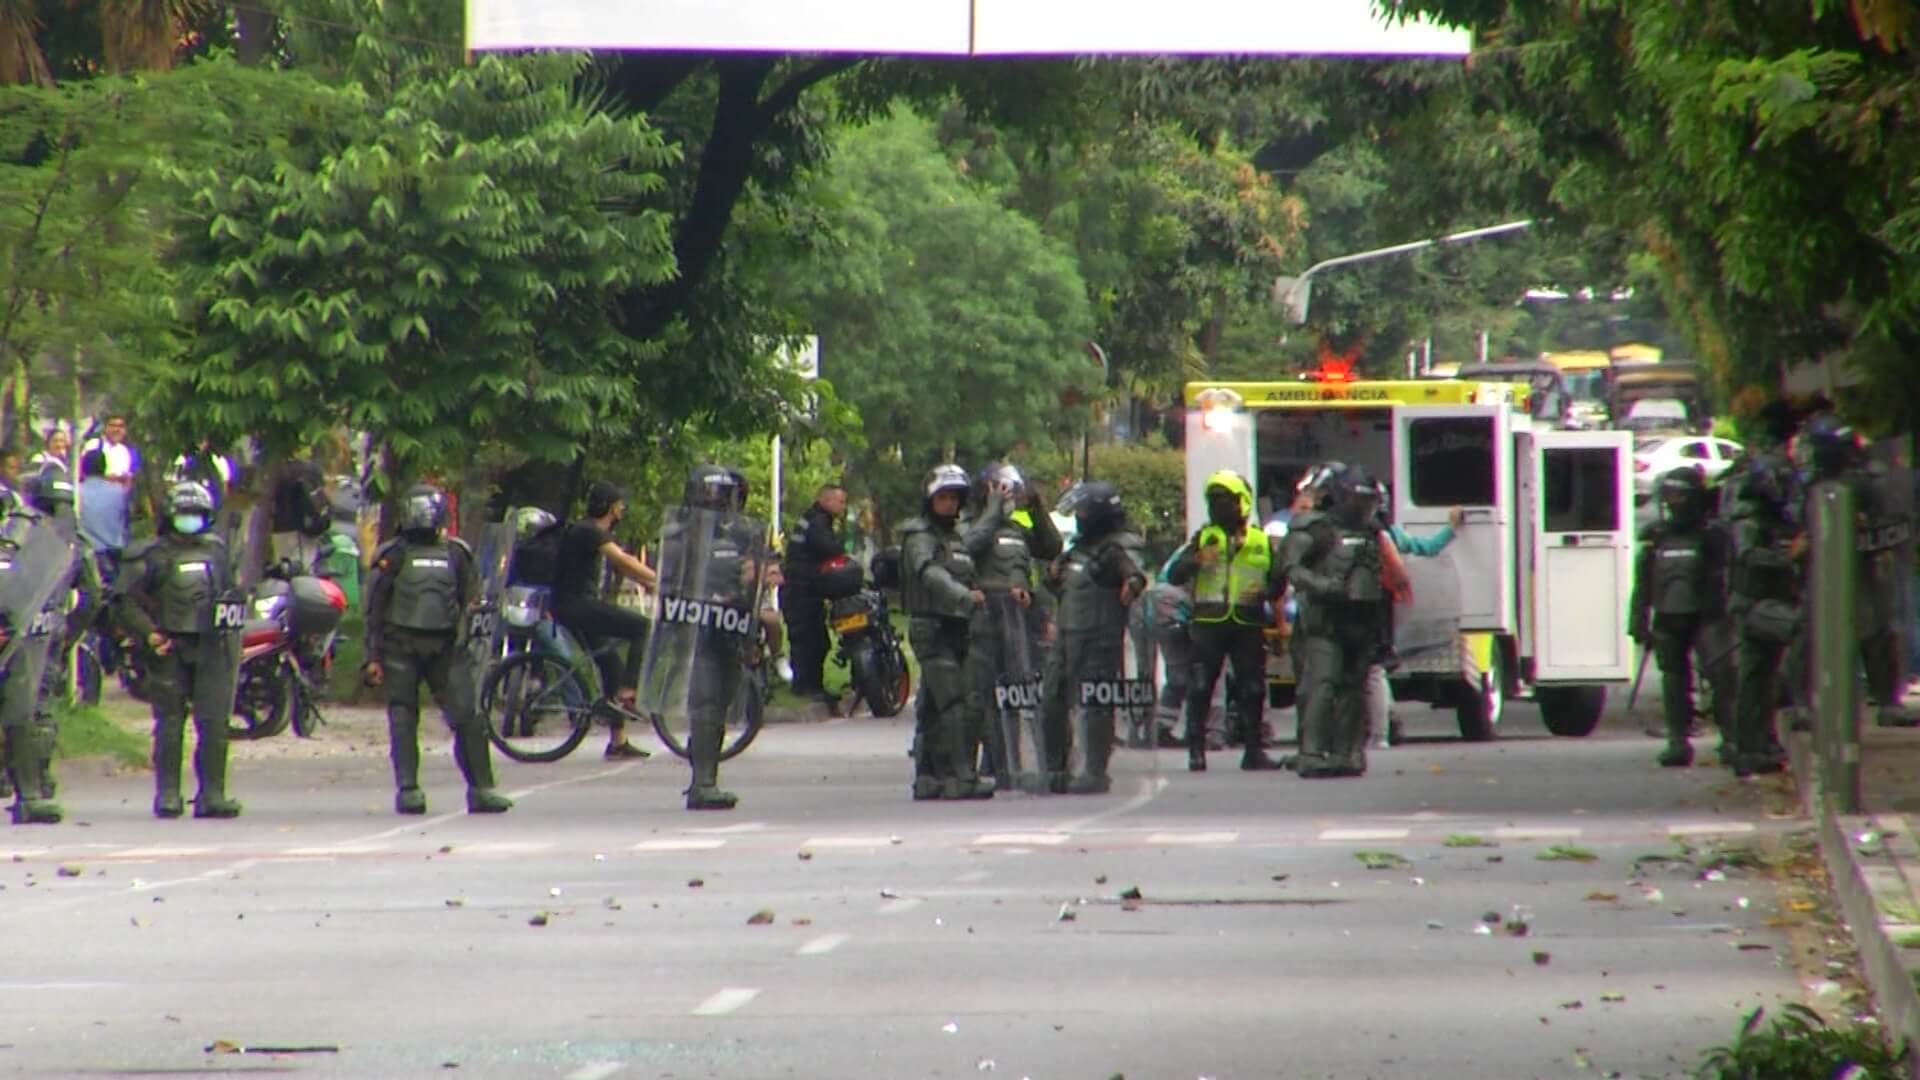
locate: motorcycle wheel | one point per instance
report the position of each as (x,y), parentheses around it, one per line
(880,673)
(537,709)
(263,705)
(306,712)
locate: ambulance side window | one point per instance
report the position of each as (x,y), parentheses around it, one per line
(1582,491)
(1452,461)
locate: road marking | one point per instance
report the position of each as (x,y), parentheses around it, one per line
(972,876)
(823,944)
(1150,789)
(729,830)
(1534,832)
(1715,828)
(726,1001)
(1193,838)
(12,986)
(1366,834)
(900,905)
(338,849)
(21,853)
(298,859)
(158,852)
(1043,839)
(502,847)
(599,1070)
(847,842)
(678,845)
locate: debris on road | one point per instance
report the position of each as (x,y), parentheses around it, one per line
(228,1046)
(1466,840)
(1542,959)
(695,883)
(541,918)
(763,917)
(1613,997)
(612,903)
(802,920)
(1067,914)
(1101,880)
(70,870)
(1132,893)
(1566,853)
(951,1028)
(1599,897)
(1381,860)
(555,891)
(889,894)
(1493,918)
(805,855)
(456,901)
(1571,1005)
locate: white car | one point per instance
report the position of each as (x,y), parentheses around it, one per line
(1655,456)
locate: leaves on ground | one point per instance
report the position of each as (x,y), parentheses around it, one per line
(1381,860)
(1566,853)
(1598,896)
(1466,840)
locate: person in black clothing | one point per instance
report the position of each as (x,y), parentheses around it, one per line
(299,513)
(578,606)
(805,610)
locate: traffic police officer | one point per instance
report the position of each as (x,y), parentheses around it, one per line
(1237,580)
(1679,584)
(165,597)
(1011,530)
(1768,549)
(1335,564)
(423,583)
(939,591)
(1097,579)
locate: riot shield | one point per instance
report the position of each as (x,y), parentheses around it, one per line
(493,553)
(216,673)
(712,569)
(1014,711)
(36,566)
(1426,632)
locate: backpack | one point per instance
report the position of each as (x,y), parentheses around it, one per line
(536,560)
(885,568)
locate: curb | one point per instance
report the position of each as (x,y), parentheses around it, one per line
(1875,896)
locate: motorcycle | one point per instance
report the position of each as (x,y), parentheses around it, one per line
(286,654)
(868,646)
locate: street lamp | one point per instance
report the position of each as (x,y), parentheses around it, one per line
(1290,294)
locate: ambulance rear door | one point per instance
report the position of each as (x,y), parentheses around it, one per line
(1217,438)
(1462,455)
(1582,554)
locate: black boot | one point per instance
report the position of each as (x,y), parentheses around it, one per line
(210,770)
(475,757)
(23,759)
(1253,757)
(403,749)
(1196,745)
(168,751)
(704,750)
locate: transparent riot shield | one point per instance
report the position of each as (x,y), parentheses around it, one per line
(36,565)
(1014,728)
(713,569)
(485,632)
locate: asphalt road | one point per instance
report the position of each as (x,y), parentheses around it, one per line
(904,939)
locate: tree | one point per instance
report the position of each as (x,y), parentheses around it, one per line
(952,324)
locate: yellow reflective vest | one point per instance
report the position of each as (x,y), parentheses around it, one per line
(1233,588)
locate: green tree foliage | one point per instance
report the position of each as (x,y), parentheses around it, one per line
(430,261)
(951,323)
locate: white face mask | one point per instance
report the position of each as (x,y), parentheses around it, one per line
(189,524)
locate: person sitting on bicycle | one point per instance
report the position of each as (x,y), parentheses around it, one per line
(586,546)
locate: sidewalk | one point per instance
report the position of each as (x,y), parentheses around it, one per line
(1874,861)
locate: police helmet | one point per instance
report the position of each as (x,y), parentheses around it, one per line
(1769,484)
(531,521)
(1356,496)
(1318,481)
(740,487)
(712,487)
(190,498)
(943,478)
(1832,444)
(1004,478)
(51,493)
(1683,495)
(423,509)
(1099,511)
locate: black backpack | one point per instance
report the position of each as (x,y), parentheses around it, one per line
(885,568)
(536,560)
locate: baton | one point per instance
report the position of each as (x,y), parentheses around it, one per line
(1634,694)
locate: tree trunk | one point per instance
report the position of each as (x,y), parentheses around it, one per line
(255,32)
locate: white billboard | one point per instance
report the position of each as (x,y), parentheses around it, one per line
(961,27)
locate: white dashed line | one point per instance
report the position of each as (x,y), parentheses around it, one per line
(678,845)
(158,852)
(1534,832)
(972,876)
(338,849)
(1193,838)
(726,1001)
(847,842)
(729,830)
(901,905)
(1720,828)
(1366,834)
(502,847)
(1021,839)
(599,1070)
(21,853)
(822,945)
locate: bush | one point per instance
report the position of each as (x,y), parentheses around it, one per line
(1801,1046)
(1153,482)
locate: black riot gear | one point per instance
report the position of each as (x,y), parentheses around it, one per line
(1832,445)
(190,498)
(1101,511)
(711,487)
(1318,481)
(51,493)
(1683,496)
(1356,498)
(423,510)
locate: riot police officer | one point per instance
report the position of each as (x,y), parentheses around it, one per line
(1097,578)
(175,599)
(1836,456)
(1237,581)
(1010,530)
(1768,549)
(51,493)
(417,604)
(940,595)
(35,566)
(1335,564)
(1679,596)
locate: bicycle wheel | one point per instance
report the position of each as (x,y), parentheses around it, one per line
(536,709)
(744,720)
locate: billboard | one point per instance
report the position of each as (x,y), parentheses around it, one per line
(961,27)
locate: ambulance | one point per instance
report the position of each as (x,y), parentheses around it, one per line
(1529,601)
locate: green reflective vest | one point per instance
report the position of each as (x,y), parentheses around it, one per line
(1233,588)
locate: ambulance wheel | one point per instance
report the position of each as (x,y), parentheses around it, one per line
(1481,708)
(1571,711)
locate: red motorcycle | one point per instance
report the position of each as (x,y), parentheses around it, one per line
(286,655)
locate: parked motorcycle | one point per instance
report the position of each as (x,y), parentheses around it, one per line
(286,654)
(869,648)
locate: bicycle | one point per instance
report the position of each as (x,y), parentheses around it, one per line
(536,694)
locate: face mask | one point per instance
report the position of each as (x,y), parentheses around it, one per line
(188,524)
(1224,509)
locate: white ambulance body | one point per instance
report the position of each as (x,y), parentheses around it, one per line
(1528,601)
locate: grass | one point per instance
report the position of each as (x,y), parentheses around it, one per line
(1800,1045)
(87,731)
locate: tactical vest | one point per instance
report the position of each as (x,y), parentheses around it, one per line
(1680,585)
(426,588)
(1355,558)
(1235,586)
(1758,582)
(948,552)
(1089,590)
(189,573)
(1008,563)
